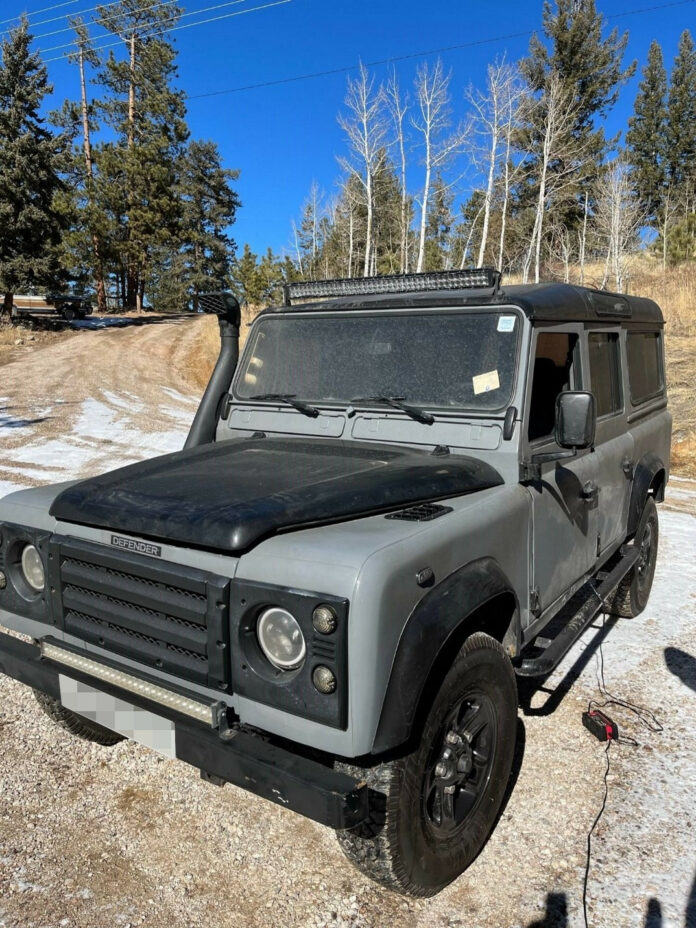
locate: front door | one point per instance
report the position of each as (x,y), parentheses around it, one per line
(564,501)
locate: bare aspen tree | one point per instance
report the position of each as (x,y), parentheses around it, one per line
(561,248)
(618,218)
(552,118)
(515,101)
(398,107)
(492,115)
(366,129)
(432,90)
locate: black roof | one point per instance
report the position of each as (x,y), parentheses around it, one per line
(545,302)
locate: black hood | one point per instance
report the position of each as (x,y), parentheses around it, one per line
(229,496)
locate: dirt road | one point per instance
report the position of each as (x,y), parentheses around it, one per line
(91,837)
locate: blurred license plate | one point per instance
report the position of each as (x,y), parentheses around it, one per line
(117,715)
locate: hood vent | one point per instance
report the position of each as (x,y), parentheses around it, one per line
(423,513)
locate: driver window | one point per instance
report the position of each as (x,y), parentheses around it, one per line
(553,371)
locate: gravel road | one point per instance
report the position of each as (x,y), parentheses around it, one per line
(93,837)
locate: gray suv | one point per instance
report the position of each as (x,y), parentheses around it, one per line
(407,493)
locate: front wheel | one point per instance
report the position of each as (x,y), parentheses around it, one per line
(435,808)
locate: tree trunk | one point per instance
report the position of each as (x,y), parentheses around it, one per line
(583,244)
(493,156)
(424,208)
(89,167)
(6,308)
(368,231)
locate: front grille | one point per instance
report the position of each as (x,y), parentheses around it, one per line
(163,615)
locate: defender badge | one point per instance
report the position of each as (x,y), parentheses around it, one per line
(140,547)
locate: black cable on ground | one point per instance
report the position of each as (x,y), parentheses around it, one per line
(647,719)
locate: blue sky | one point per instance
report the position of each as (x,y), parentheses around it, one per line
(285,136)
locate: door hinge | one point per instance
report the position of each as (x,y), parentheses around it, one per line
(599,544)
(627,467)
(534,601)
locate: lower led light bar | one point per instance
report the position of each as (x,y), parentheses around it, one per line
(191,707)
(394,283)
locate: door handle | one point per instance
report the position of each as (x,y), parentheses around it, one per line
(589,491)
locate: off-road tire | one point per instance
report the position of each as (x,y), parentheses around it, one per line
(632,594)
(398,846)
(76,724)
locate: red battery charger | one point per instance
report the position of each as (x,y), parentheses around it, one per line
(600,725)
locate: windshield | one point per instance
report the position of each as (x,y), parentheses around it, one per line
(435,359)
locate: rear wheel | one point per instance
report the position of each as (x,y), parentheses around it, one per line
(439,804)
(631,595)
(76,724)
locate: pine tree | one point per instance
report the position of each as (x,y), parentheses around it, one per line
(438,227)
(645,139)
(681,116)
(30,161)
(147,117)
(209,208)
(589,71)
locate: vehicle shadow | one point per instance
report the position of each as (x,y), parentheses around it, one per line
(529,686)
(683,666)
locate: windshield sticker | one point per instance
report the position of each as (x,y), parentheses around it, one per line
(506,324)
(484,383)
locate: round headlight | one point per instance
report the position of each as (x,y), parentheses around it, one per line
(33,569)
(281,638)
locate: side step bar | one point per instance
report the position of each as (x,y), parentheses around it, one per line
(559,646)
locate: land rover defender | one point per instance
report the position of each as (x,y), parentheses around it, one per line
(409,492)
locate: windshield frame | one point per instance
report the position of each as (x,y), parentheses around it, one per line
(440,412)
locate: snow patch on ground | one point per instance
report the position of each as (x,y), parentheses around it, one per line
(105,434)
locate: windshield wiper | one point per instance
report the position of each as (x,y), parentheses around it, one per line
(306,408)
(396,403)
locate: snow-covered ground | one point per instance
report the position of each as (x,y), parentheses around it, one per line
(103,433)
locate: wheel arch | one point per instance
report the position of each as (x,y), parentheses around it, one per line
(649,479)
(476,597)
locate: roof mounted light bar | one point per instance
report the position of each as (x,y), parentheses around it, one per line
(481,277)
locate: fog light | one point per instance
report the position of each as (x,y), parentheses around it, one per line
(33,569)
(324,620)
(3,580)
(324,680)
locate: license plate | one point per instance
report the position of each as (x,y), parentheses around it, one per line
(117,715)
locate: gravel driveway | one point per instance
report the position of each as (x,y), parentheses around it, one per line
(95,837)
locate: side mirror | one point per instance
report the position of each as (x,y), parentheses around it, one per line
(576,419)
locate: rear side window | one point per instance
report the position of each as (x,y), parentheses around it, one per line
(644,365)
(605,371)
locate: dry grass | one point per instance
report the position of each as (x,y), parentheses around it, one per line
(206,346)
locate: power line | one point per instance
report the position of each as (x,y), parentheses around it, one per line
(172,19)
(422,54)
(202,22)
(46,9)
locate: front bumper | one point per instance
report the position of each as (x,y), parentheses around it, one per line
(238,757)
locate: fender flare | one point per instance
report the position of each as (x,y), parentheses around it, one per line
(644,474)
(426,635)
